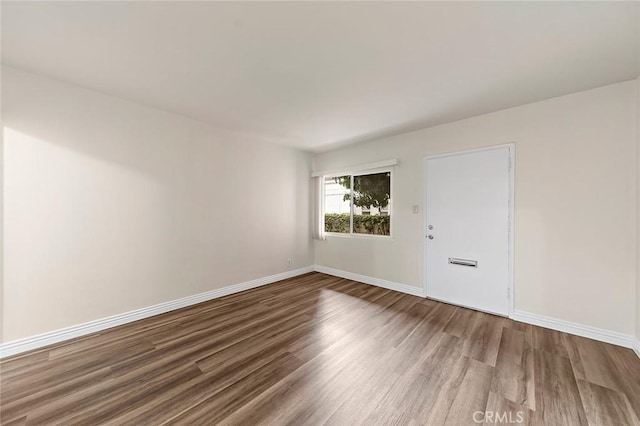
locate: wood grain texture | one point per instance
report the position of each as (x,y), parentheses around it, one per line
(317,349)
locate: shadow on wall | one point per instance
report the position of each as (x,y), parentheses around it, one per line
(123,206)
(151,141)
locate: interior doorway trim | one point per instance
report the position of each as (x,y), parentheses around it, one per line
(511,223)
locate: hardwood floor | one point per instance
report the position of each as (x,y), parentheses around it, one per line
(317,349)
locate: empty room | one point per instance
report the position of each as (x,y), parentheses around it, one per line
(320,213)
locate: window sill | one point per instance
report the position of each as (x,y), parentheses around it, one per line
(358,236)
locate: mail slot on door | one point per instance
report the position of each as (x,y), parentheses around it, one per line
(463,262)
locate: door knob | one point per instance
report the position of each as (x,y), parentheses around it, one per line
(430,237)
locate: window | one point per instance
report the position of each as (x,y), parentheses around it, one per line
(358,204)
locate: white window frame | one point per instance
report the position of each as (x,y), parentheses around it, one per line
(352,234)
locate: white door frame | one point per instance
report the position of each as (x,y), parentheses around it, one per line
(512,149)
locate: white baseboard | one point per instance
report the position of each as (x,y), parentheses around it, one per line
(594,333)
(56,336)
(34,342)
(403,288)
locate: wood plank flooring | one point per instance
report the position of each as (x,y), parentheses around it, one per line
(318,350)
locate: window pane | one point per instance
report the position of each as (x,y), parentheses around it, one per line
(337,204)
(372,202)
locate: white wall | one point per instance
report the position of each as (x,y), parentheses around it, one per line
(575,217)
(1,213)
(638,215)
(112,206)
(122,206)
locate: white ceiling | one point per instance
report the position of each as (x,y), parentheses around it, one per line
(316,75)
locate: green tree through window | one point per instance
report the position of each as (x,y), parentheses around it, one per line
(369,213)
(368,190)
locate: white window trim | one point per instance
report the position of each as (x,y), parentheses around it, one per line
(354,169)
(352,234)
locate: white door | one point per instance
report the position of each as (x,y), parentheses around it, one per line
(467,235)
